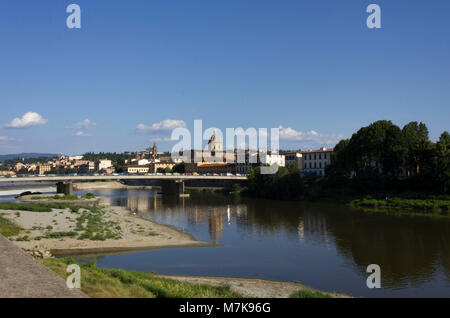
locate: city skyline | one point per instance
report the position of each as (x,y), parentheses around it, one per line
(132,73)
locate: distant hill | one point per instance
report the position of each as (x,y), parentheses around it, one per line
(27,156)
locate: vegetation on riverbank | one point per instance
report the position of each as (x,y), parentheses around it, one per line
(8,228)
(381,161)
(33,207)
(309,294)
(110,283)
(66,197)
(401,203)
(89,222)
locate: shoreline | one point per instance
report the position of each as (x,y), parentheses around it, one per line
(252,287)
(57,233)
(134,238)
(105,185)
(49,198)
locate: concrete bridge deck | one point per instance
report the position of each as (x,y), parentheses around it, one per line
(21,276)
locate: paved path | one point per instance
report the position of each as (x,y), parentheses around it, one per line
(23,277)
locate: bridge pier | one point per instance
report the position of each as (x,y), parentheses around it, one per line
(64,187)
(173,187)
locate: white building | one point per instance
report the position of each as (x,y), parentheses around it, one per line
(315,161)
(74,158)
(103,164)
(143,162)
(271,159)
(252,160)
(294,157)
(215,143)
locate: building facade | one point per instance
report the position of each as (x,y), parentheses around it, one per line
(103,164)
(315,161)
(138,169)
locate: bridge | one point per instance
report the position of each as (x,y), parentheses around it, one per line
(171,185)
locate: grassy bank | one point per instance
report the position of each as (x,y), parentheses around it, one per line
(8,228)
(105,283)
(310,294)
(420,205)
(66,197)
(101,283)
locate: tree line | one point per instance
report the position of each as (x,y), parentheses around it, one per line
(385,155)
(379,159)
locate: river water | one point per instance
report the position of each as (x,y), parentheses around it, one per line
(324,246)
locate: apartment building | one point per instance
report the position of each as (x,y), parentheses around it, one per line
(103,164)
(44,168)
(315,161)
(138,169)
(294,157)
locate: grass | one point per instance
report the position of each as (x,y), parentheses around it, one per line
(66,197)
(118,283)
(94,226)
(55,235)
(309,294)
(8,228)
(423,205)
(90,221)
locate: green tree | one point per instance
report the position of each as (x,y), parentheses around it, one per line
(443,162)
(179,168)
(419,148)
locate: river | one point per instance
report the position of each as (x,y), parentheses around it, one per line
(324,246)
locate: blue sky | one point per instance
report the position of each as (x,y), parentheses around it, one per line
(302,65)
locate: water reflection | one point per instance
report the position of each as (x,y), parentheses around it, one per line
(326,246)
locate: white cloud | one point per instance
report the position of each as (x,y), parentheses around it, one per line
(85,124)
(310,138)
(166,139)
(164,126)
(28,119)
(81,134)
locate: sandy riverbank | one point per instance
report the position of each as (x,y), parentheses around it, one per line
(105,185)
(130,232)
(249,287)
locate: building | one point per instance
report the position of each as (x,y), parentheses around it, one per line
(7,173)
(87,168)
(154,166)
(138,169)
(210,167)
(73,158)
(18,166)
(315,161)
(44,168)
(215,143)
(253,160)
(103,164)
(143,162)
(294,157)
(272,159)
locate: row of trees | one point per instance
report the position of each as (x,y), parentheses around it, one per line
(380,159)
(383,150)
(287,184)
